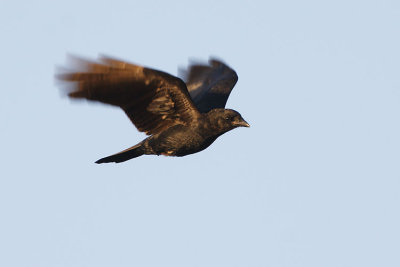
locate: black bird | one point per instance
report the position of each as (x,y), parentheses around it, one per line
(181,118)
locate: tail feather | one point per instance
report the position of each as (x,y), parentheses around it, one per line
(124,155)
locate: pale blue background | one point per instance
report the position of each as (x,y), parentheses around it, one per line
(313,182)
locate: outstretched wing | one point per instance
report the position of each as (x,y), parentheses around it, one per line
(210,85)
(153,100)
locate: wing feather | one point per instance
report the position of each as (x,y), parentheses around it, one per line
(153,100)
(210,85)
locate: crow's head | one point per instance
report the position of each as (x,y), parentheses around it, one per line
(226,119)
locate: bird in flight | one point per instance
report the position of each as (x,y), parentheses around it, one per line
(181,118)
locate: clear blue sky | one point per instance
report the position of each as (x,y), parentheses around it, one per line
(314,182)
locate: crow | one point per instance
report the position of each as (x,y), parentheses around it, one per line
(180,118)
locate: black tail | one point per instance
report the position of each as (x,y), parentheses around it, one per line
(125,155)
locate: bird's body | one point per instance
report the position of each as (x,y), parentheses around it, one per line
(178,120)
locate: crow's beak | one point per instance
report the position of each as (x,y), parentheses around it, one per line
(242,123)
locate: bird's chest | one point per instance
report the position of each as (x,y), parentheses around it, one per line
(179,142)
